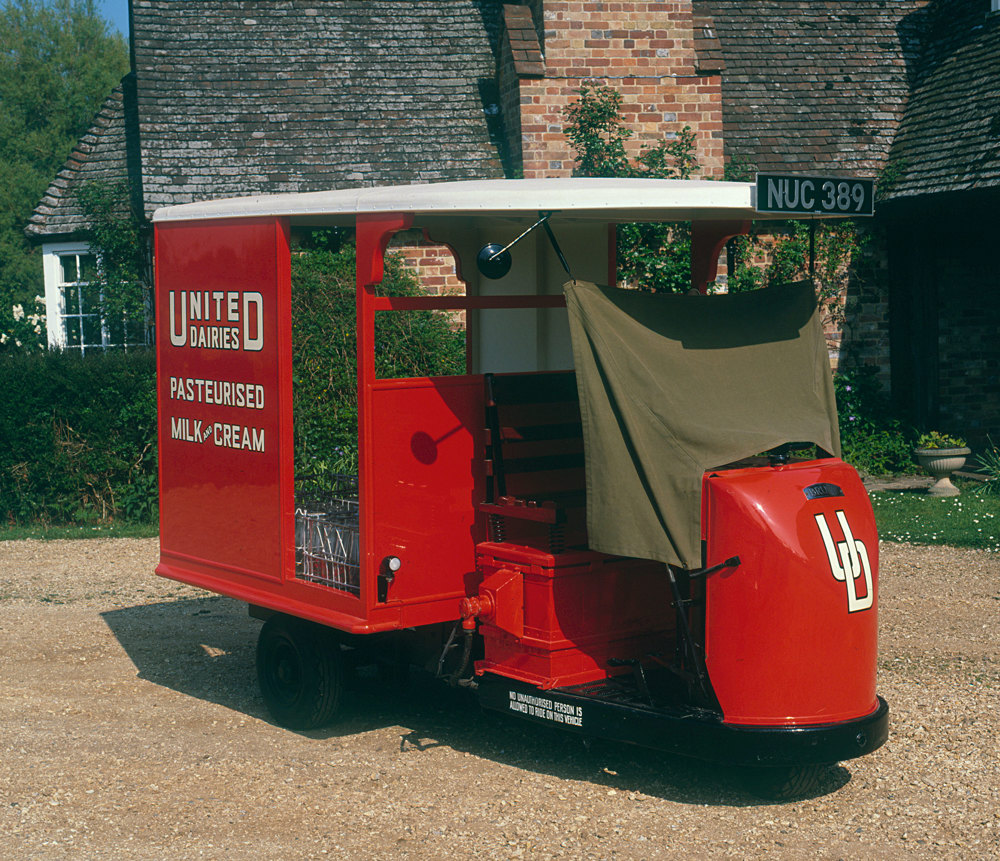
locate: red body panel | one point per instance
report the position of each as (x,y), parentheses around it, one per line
(425,482)
(226,510)
(226,459)
(240,345)
(787,640)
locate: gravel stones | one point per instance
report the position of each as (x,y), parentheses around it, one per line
(131,727)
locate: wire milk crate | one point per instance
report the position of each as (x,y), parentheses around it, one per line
(326,536)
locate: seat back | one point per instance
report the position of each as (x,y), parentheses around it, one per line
(534,438)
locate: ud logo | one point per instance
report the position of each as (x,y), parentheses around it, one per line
(848,561)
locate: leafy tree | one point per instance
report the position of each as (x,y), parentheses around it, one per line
(655,257)
(59,60)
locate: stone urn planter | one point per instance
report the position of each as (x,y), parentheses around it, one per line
(940,463)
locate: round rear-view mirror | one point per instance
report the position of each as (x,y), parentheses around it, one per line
(493,261)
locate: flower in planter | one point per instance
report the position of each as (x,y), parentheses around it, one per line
(935,439)
(940,455)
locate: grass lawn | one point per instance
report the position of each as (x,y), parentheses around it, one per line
(105,530)
(969,520)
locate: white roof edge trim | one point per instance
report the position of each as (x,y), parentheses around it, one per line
(488,197)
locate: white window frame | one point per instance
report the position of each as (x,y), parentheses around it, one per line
(55,297)
(995,5)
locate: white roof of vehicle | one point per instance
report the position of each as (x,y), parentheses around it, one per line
(588,199)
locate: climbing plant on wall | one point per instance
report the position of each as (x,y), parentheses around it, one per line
(120,253)
(653,257)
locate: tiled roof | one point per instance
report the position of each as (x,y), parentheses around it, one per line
(99,155)
(949,139)
(263,96)
(814,85)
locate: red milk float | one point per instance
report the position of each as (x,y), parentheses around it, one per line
(596,527)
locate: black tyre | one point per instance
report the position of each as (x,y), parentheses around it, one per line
(786,782)
(300,672)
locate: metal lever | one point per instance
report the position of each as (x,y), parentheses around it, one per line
(731,562)
(555,246)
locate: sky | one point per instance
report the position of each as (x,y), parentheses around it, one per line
(115,11)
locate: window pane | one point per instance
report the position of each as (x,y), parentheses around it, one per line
(91,299)
(72,331)
(72,295)
(87,267)
(116,330)
(135,332)
(91,330)
(68,263)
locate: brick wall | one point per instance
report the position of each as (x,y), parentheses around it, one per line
(434,264)
(646,50)
(863,338)
(968,347)
(855,323)
(434,267)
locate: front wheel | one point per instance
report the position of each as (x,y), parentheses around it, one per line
(300,672)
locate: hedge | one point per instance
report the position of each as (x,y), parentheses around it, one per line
(77,437)
(324,356)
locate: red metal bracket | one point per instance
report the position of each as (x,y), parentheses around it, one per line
(707,239)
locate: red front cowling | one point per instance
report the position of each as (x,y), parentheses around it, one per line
(791,634)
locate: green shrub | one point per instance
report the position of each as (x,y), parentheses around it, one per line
(650,256)
(871,438)
(77,437)
(324,349)
(988,463)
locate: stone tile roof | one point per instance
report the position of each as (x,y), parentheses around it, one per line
(949,139)
(99,155)
(264,96)
(814,85)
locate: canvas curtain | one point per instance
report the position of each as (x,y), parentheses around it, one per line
(672,385)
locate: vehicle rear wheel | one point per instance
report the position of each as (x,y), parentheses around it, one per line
(784,782)
(300,672)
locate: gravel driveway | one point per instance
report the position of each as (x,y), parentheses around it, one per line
(131,727)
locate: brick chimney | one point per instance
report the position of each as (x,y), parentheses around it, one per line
(663,59)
